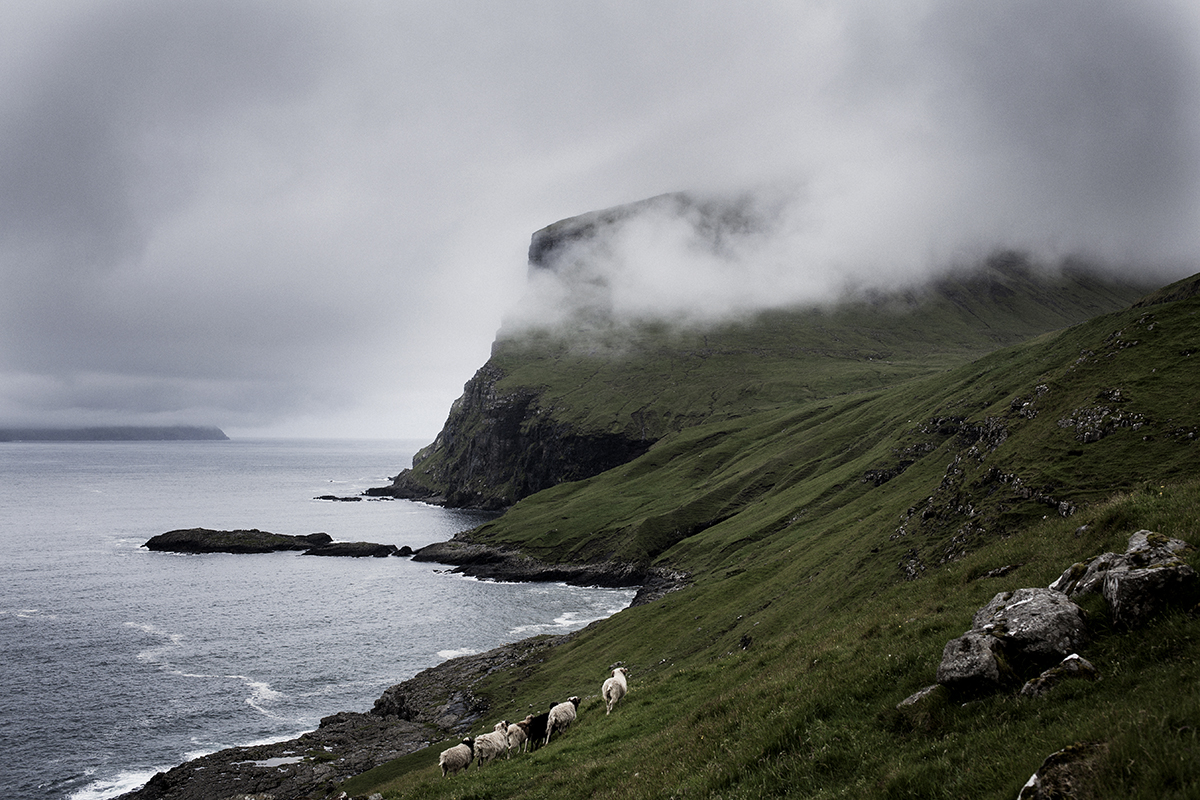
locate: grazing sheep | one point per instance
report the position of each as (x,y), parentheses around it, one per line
(518,736)
(537,730)
(457,757)
(561,717)
(615,688)
(490,745)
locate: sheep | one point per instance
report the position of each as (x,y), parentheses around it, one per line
(615,688)
(457,757)
(490,745)
(518,736)
(537,729)
(561,717)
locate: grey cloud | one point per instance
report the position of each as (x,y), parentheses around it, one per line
(310,217)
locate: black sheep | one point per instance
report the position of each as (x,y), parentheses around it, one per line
(537,730)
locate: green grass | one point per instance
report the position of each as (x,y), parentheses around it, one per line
(778,671)
(808,710)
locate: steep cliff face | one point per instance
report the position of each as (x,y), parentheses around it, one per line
(499,446)
(594,390)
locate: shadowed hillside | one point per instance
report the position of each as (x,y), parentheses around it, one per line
(835,544)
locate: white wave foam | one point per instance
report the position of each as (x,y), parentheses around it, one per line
(465,651)
(260,693)
(116,786)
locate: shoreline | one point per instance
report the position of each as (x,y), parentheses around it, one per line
(434,705)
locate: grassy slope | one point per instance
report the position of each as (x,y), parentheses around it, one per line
(798,556)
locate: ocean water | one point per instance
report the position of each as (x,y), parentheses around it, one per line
(116,662)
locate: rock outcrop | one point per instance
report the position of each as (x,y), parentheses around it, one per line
(205,540)
(1016,634)
(503,564)
(1139,583)
(354,550)
(1021,632)
(499,446)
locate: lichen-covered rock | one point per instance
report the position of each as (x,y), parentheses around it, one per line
(1036,626)
(1085,577)
(1150,575)
(1073,666)
(1135,595)
(973,663)
(1066,774)
(1145,549)
(920,696)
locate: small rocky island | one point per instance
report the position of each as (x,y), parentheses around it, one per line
(205,540)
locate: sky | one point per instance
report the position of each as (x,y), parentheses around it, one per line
(300,218)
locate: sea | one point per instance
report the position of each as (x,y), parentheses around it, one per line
(117,662)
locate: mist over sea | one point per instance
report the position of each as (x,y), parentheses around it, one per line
(117,662)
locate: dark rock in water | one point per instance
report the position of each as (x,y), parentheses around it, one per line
(335,498)
(205,540)
(354,550)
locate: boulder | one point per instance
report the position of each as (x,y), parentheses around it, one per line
(1037,626)
(1147,577)
(973,663)
(1017,633)
(1073,666)
(1135,595)
(1068,773)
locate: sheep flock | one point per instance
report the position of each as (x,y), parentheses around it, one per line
(530,733)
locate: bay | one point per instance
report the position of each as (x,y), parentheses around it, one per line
(117,662)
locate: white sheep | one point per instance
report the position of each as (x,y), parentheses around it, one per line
(490,745)
(518,735)
(615,688)
(561,717)
(457,757)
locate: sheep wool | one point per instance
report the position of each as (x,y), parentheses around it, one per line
(615,688)
(457,757)
(490,745)
(561,717)
(518,736)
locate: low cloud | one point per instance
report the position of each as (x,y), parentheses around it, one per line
(294,218)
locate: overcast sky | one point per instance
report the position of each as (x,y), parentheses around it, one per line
(311,218)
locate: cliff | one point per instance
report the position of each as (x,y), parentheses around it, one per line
(844,490)
(556,405)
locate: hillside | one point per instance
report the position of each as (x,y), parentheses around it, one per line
(844,487)
(554,406)
(835,544)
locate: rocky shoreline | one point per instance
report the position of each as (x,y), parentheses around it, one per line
(435,705)
(505,564)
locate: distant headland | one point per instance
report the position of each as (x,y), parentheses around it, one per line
(115,433)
